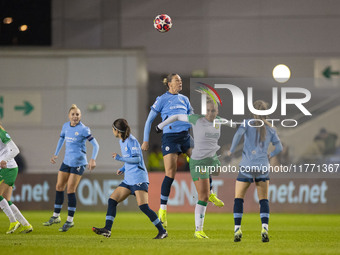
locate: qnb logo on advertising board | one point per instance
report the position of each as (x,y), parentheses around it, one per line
(215,92)
(95,192)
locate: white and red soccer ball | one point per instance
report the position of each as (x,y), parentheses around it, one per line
(162,23)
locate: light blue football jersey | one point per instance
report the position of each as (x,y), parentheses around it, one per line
(171,104)
(255,152)
(75,143)
(134,173)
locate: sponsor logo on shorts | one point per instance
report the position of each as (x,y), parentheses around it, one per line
(167,148)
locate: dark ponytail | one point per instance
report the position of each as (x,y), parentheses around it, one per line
(122,126)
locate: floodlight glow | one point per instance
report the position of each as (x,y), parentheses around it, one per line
(281,73)
(23,28)
(8,20)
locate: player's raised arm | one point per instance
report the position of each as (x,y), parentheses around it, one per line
(171,119)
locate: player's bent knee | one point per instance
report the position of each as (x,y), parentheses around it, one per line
(60,187)
(171,172)
(71,190)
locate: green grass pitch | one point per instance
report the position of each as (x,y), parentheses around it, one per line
(132,233)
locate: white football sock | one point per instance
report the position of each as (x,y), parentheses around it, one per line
(199,216)
(7,210)
(236,227)
(163,207)
(18,215)
(265,226)
(56,214)
(69,218)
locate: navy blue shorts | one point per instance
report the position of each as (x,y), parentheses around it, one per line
(249,175)
(79,170)
(139,186)
(176,142)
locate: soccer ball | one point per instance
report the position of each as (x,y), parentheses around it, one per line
(162,23)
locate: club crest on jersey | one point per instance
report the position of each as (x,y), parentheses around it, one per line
(76,133)
(181,101)
(125,149)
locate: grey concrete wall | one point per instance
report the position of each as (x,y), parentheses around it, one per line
(60,78)
(222,37)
